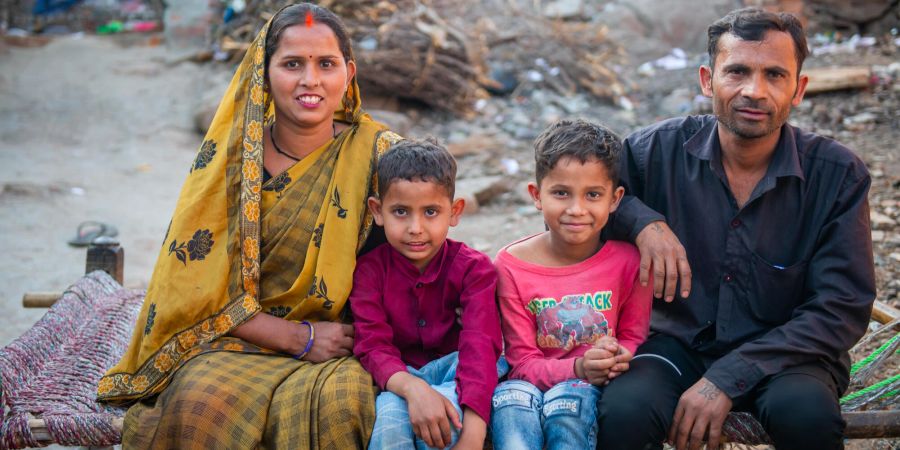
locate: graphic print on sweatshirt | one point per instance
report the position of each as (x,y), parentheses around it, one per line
(574,320)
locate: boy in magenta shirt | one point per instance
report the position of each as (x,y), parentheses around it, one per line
(437,375)
(572,306)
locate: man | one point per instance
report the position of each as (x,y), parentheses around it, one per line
(774,222)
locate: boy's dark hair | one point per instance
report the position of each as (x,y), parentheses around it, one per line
(751,24)
(417,160)
(578,139)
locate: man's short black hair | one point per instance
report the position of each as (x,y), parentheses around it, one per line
(578,139)
(417,160)
(751,24)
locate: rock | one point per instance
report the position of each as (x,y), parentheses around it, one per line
(525,133)
(474,144)
(680,102)
(574,104)
(397,122)
(471,206)
(479,191)
(506,81)
(563,9)
(881,221)
(877,235)
(861,118)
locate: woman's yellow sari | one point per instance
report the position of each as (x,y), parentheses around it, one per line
(237,246)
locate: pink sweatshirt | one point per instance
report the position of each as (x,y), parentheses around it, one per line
(552,315)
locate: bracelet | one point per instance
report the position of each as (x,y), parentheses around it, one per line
(309,343)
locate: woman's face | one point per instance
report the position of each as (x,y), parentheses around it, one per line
(308,75)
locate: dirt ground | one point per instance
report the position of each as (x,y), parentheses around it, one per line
(102,128)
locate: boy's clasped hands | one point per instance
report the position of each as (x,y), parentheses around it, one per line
(605,361)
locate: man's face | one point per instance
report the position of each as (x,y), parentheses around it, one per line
(754,84)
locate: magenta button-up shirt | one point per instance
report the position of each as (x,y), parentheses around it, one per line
(403,317)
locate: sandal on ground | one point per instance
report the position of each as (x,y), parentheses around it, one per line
(89,230)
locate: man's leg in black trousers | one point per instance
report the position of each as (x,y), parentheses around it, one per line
(799,409)
(636,408)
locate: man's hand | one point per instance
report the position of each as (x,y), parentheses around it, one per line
(430,413)
(701,411)
(662,252)
(332,340)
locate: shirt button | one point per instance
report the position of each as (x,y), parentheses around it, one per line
(741,385)
(735,223)
(419,285)
(728,277)
(421,322)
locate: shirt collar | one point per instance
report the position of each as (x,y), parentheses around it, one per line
(785,161)
(432,270)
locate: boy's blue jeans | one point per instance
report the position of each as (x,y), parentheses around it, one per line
(564,417)
(393,429)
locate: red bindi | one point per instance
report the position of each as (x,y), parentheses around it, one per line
(309,19)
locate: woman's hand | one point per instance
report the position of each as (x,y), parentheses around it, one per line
(332,340)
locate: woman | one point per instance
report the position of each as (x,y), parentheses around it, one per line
(256,269)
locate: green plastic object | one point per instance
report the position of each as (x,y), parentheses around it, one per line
(113,26)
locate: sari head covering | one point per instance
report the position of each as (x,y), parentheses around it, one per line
(237,246)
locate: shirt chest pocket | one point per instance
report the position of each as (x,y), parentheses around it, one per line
(774,291)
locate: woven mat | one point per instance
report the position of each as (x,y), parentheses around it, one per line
(51,372)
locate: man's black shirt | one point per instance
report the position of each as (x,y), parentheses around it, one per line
(786,279)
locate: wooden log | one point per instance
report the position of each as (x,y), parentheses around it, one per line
(837,78)
(40,299)
(40,432)
(105,254)
(884,313)
(872,424)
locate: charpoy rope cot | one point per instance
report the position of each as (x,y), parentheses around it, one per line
(51,372)
(50,375)
(743,428)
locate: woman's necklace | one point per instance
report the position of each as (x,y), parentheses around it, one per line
(279,150)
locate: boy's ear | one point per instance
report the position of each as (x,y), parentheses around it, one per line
(456,210)
(617,198)
(535,192)
(375,208)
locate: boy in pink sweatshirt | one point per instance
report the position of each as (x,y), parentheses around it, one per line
(573,310)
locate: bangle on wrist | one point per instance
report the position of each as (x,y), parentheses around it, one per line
(309,343)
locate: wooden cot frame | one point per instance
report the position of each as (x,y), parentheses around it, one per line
(106,254)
